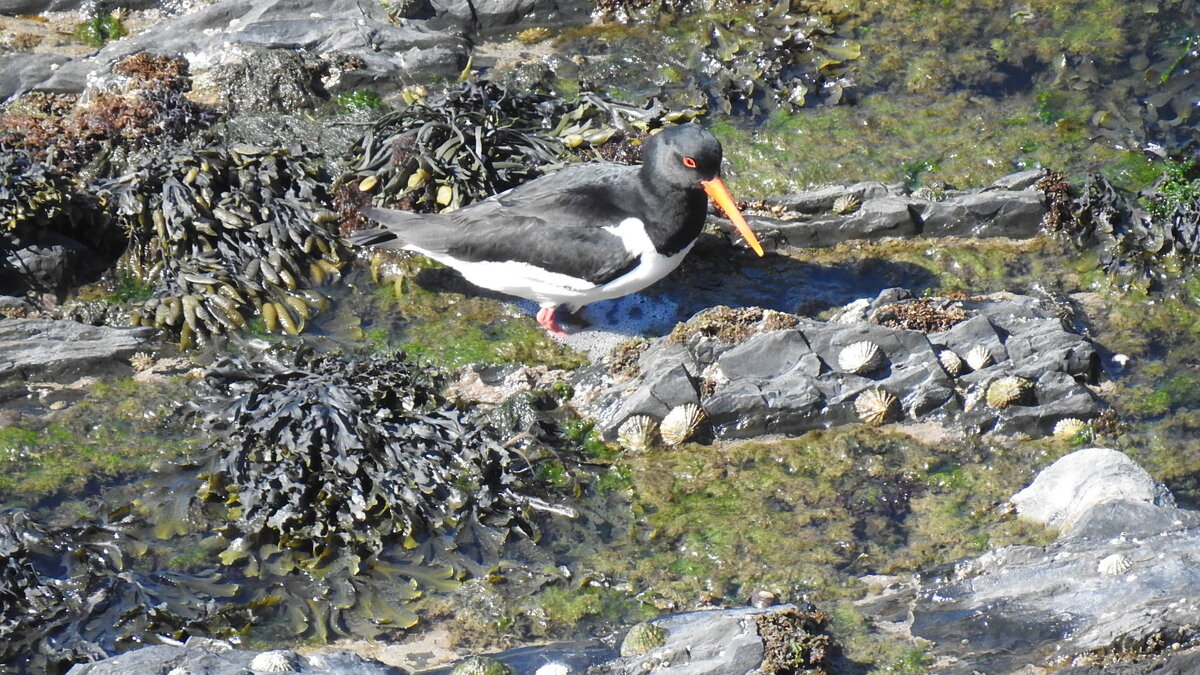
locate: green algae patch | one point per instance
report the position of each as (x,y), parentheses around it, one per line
(447,325)
(954,265)
(807,517)
(956,139)
(118,430)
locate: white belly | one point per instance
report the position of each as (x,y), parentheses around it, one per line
(551,289)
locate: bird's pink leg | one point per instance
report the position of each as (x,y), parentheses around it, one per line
(545,316)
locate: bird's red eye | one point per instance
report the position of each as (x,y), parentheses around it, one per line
(689,162)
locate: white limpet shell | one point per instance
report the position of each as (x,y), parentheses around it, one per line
(637,433)
(877,406)
(1069,428)
(951,362)
(681,423)
(1114,565)
(979,357)
(276,661)
(861,357)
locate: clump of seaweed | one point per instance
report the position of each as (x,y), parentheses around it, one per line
(141,106)
(928,315)
(101,28)
(731,325)
(76,593)
(327,455)
(449,149)
(31,194)
(795,641)
(222,233)
(1132,239)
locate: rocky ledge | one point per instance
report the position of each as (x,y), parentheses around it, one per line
(999,363)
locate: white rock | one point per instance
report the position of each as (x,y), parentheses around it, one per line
(1067,488)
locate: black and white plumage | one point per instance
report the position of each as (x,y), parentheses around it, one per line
(586,233)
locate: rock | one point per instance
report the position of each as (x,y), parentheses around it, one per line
(753,380)
(1010,207)
(390,52)
(43,350)
(1016,214)
(216,657)
(821,200)
(51,263)
(22,72)
(1120,578)
(20,7)
(1064,491)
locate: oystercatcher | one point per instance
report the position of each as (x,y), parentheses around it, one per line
(589,232)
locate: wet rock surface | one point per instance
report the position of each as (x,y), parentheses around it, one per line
(781,374)
(1011,207)
(1122,578)
(217,657)
(44,350)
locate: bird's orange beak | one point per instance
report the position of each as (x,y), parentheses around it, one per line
(716,190)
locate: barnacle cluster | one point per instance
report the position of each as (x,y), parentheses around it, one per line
(222,233)
(70,594)
(751,57)
(448,149)
(327,455)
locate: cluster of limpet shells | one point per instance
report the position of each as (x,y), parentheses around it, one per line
(642,432)
(223,232)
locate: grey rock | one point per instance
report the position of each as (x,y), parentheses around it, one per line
(717,642)
(821,200)
(1016,214)
(392,51)
(789,381)
(1023,605)
(53,263)
(1065,490)
(1021,180)
(19,7)
(1176,663)
(62,351)
(1010,207)
(22,72)
(216,657)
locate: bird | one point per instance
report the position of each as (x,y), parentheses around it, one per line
(589,232)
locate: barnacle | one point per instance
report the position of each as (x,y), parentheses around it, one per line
(1114,565)
(1070,428)
(952,362)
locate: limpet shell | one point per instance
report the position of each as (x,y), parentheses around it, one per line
(276,661)
(979,357)
(642,638)
(681,423)
(877,406)
(952,362)
(1008,391)
(846,204)
(637,433)
(861,357)
(1069,428)
(141,361)
(1114,564)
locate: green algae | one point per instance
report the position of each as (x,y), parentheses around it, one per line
(117,431)
(451,329)
(100,29)
(956,139)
